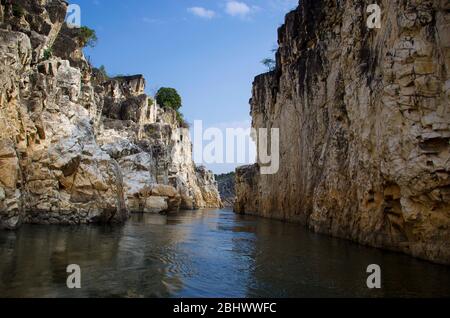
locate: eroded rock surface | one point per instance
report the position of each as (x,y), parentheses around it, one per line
(77,150)
(226,184)
(364,118)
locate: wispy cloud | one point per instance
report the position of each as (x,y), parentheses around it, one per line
(236,8)
(202,12)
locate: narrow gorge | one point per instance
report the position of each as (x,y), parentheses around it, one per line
(78,148)
(364,121)
(103,192)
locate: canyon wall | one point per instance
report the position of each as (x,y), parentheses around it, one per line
(364,119)
(226,187)
(75,148)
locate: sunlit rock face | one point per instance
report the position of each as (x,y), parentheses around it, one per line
(364,118)
(153,151)
(76,150)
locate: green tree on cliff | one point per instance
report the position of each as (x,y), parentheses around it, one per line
(88,37)
(100,74)
(169,98)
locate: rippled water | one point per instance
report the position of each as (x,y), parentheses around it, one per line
(210,253)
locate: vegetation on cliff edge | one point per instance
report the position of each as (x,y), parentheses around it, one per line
(169,98)
(87,36)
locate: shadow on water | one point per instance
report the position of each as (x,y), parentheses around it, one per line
(208,253)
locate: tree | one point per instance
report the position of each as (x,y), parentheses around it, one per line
(169,98)
(269,63)
(88,37)
(100,74)
(102,71)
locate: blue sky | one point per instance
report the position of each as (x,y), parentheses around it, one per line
(209,50)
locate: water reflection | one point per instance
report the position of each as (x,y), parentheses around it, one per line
(210,253)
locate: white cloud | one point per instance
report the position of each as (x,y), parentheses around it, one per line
(202,12)
(236,8)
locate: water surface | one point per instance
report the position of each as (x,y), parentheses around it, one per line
(208,253)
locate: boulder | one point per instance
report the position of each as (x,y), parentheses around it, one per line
(156,204)
(164,190)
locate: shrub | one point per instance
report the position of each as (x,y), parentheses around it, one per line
(17,10)
(48,53)
(225,176)
(100,74)
(102,71)
(180,118)
(88,37)
(269,63)
(169,98)
(119,75)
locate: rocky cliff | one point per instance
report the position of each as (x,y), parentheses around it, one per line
(75,148)
(226,187)
(364,119)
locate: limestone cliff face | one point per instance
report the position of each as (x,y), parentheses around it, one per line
(364,118)
(151,148)
(226,186)
(74,149)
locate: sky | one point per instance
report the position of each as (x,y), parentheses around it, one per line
(209,50)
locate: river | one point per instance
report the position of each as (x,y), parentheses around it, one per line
(207,253)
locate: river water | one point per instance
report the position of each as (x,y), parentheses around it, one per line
(208,253)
